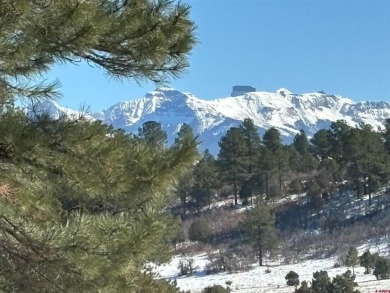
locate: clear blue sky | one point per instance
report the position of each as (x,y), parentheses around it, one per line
(341,47)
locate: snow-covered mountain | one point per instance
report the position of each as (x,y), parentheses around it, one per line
(283,109)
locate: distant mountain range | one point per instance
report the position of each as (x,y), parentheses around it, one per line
(210,119)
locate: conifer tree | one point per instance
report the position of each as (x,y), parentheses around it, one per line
(352,259)
(367,260)
(305,161)
(252,143)
(386,135)
(231,157)
(259,229)
(275,157)
(83,204)
(204,179)
(321,282)
(367,158)
(301,143)
(140,39)
(153,134)
(321,144)
(344,283)
(252,152)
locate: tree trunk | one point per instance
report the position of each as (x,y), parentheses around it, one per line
(260,257)
(235,187)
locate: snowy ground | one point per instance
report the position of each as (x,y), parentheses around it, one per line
(258,280)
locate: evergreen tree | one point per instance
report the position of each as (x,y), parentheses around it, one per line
(304,288)
(382,268)
(183,191)
(246,192)
(153,134)
(344,283)
(252,151)
(321,283)
(259,229)
(267,168)
(339,132)
(83,204)
(386,135)
(301,143)
(305,161)
(89,198)
(367,260)
(367,169)
(272,140)
(185,133)
(128,39)
(231,157)
(292,279)
(275,158)
(321,144)
(204,175)
(185,184)
(252,143)
(352,259)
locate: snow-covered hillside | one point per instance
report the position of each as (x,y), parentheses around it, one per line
(283,109)
(259,280)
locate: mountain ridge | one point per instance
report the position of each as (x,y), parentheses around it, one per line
(287,111)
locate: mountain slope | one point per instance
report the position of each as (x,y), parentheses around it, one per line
(284,110)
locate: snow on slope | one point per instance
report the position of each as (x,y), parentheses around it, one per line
(284,110)
(258,280)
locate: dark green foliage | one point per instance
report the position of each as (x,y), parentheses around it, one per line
(259,229)
(321,283)
(386,135)
(185,131)
(367,168)
(292,279)
(296,186)
(344,283)
(252,144)
(322,144)
(152,133)
(382,268)
(301,143)
(367,260)
(272,139)
(199,230)
(274,160)
(231,158)
(184,191)
(89,203)
(216,289)
(83,205)
(140,40)
(204,176)
(352,259)
(245,192)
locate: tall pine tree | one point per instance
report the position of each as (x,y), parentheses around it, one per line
(83,204)
(231,158)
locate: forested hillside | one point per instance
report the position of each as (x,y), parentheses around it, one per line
(313,198)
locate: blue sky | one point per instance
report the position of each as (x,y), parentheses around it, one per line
(341,47)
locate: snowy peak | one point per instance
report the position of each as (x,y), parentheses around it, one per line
(283,109)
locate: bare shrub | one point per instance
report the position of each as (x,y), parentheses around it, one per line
(186,267)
